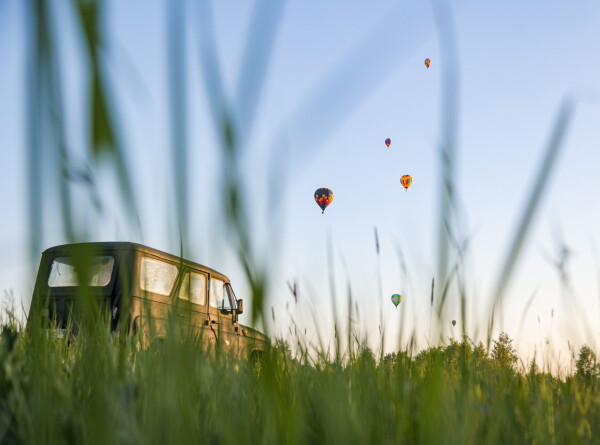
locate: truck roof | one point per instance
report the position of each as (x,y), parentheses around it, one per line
(125,245)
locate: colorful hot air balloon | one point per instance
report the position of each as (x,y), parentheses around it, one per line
(427,63)
(388,142)
(323,197)
(396,299)
(406,181)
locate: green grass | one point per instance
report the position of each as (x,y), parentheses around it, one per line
(102,389)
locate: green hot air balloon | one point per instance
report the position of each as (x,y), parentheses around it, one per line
(396,299)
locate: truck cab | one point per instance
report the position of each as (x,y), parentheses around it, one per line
(139,289)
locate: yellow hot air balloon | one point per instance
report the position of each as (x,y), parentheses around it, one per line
(406,181)
(427,63)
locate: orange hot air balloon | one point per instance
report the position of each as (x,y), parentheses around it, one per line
(406,181)
(427,63)
(323,198)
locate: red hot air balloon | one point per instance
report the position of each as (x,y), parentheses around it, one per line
(427,63)
(323,198)
(388,142)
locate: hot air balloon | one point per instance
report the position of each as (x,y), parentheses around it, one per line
(406,181)
(427,63)
(388,142)
(396,299)
(323,197)
(453,322)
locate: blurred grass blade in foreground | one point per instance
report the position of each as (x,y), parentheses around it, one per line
(532,203)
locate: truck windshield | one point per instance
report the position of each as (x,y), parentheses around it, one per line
(64,271)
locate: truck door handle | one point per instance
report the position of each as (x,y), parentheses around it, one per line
(206,323)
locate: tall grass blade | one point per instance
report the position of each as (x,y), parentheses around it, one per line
(525,311)
(103,135)
(449,131)
(57,117)
(261,38)
(36,44)
(177,69)
(226,130)
(333,297)
(532,204)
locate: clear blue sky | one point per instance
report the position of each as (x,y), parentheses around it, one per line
(516,62)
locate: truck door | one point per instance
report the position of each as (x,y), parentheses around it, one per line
(157,285)
(192,310)
(221,316)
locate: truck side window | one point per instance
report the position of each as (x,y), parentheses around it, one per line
(193,288)
(218,297)
(157,276)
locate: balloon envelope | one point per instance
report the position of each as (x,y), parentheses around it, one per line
(396,299)
(388,142)
(453,322)
(406,181)
(323,198)
(427,63)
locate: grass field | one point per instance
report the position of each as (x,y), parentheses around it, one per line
(100,389)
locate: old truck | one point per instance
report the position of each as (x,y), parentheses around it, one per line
(138,289)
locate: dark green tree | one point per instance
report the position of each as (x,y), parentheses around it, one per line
(586,363)
(503,353)
(479,352)
(365,358)
(389,360)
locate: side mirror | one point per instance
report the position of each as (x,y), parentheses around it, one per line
(240,308)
